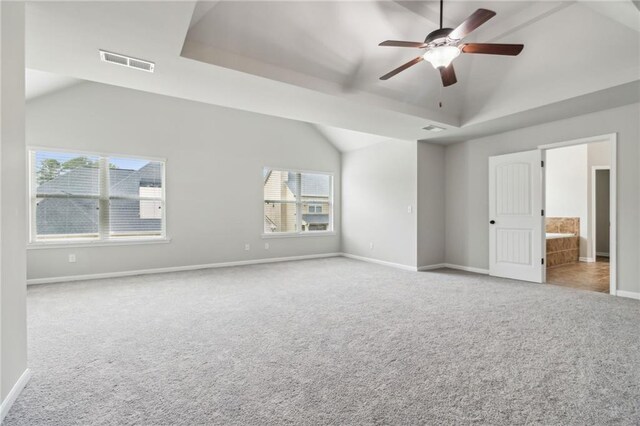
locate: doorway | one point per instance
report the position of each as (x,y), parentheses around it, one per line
(579,205)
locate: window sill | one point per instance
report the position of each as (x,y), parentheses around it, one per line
(120,242)
(299,234)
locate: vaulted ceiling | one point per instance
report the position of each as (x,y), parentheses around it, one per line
(320,61)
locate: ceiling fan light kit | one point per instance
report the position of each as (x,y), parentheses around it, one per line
(444,45)
(441,57)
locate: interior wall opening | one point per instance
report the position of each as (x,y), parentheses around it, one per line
(578,204)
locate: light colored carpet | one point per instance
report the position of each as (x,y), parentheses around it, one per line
(331,341)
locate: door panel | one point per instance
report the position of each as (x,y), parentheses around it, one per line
(515,214)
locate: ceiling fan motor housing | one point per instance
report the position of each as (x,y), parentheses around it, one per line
(438,37)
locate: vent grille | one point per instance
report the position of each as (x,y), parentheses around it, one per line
(126,61)
(432,128)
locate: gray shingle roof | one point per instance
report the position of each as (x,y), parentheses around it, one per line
(313,185)
(316,218)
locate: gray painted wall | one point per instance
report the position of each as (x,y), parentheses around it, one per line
(602,211)
(215,158)
(599,154)
(13,339)
(431,202)
(467,241)
(379,183)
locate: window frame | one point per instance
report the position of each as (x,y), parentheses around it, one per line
(104,237)
(299,206)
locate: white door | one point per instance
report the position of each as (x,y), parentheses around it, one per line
(515,216)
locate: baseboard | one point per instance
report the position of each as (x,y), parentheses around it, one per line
(629,294)
(380,262)
(587,259)
(432,267)
(453,266)
(467,268)
(51,280)
(13,394)
(602,254)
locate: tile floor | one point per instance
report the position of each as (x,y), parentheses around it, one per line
(586,276)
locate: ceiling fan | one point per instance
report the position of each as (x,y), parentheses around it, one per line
(444,45)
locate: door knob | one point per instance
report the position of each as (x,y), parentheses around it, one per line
(492,222)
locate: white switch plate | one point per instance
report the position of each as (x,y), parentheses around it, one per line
(409,209)
(371,246)
(266,246)
(247,247)
(72,258)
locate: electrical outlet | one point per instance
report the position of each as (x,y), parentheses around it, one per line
(72,258)
(371,246)
(247,247)
(409,209)
(266,246)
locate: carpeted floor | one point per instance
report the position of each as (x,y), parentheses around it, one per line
(331,341)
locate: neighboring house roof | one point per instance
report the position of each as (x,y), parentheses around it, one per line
(313,185)
(316,218)
(80,215)
(85,181)
(82,181)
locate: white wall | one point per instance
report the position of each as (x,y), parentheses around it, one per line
(379,183)
(215,158)
(431,202)
(566,188)
(467,241)
(13,340)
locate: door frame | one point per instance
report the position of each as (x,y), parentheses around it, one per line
(612,138)
(593,212)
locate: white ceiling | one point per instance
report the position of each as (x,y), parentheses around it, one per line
(319,61)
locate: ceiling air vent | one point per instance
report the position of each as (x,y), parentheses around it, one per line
(126,61)
(432,128)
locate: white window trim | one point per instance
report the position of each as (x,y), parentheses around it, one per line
(299,203)
(103,238)
(302,234)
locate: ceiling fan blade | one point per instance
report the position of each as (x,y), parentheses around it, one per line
(448,76)
(493,48)
(398,43)
(402,68)
(476,19)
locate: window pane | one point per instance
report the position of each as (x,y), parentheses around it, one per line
(66,218)
(127,217)
(316,203)
(66,174)
(279,217)
(316,216)
(135,192)
(128,176)
(280,188)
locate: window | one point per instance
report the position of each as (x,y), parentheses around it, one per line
(80,197)
(296,202)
